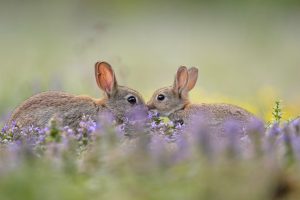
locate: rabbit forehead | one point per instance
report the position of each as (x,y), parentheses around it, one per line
(165,90)
(125,91)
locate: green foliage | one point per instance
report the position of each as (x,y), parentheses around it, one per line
(54,132)
(277,112)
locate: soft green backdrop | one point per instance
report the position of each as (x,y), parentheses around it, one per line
(247,52)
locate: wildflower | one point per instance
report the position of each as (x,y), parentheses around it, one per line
(233,130)
(274,130)
(5,128)
(14,128)
(287,138)
(150,115)
(69,131)
(92,126)
(256,132)
(37,130)
(179,126)
(296,147)
(153,125)
(270,140)
(120,130)
(106,117)
(296,125)
(182,148)
(30,128)
(138,113)
(41,139)
(256,126)
(157,146)
(200,133)
(153,114)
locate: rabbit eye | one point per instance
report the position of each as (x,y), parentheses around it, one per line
(131,100)
(160,97)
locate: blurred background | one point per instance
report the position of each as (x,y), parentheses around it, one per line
(247,52)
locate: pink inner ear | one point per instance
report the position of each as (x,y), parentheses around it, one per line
(192,78)
(105,77)
(182,78)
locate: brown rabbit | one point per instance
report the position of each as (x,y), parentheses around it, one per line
(173,102)
(40,108)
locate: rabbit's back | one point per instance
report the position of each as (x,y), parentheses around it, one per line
(40,108)
(216,117)
(223,112)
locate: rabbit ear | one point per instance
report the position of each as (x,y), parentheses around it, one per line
(105,78)
(181,80)
(193,76)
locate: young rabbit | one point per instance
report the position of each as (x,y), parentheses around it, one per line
(39,109)
(173,102)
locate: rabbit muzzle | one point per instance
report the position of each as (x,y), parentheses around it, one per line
(150,106)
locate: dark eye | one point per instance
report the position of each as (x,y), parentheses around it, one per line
(160,97)
(131,100)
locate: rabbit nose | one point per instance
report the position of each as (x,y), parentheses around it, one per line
(150,106)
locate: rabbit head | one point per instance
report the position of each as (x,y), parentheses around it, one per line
(170,99)
(118,99)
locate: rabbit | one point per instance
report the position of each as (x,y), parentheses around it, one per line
(40,108)
(173,102)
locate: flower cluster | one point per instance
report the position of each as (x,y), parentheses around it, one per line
(30,135)
(159,138)
(150,145)
(164,133)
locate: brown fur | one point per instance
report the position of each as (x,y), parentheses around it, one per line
(40,108)
(177,106)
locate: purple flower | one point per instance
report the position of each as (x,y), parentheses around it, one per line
(137,113)
(157,147)
(45,130)
(70,132)
(152,114)
(296,125)
(179,126)
(233,130)
(256,126)
(87,126)
(153,125)
(272,140)
(274,131)
(41,139)
(106,118)
(287,137)
(30,128)
(5,128)
(13,127)
(92,126)
(296,147)
(200,133)
(120,130)
(286,133)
